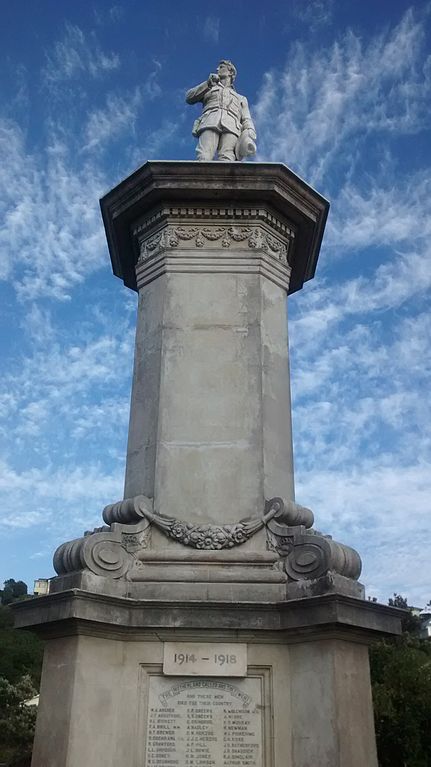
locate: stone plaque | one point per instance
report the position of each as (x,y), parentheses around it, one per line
(204,722)
(204,659)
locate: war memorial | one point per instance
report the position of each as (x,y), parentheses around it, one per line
(207,622)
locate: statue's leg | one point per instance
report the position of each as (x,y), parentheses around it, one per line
(226,147)
(207,145)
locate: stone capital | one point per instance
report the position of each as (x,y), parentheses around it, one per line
(258,217)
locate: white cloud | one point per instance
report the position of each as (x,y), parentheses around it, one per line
(316,114)
(382,510)
(154,143)
(70,392)
(362,446)
(75,55)
(51,235)
(384,212)
(118,116)
(64,426)
(109,15)
(64,500)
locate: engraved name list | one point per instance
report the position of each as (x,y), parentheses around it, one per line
(204,723)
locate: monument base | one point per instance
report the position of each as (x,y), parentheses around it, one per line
(151,683)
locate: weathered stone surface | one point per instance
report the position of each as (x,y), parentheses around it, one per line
(209,461)
(208,545)
(248,190)
(332,716)
(80,610)
(225,126)
(208,722)
(216,561)
(104,660)
(214,440)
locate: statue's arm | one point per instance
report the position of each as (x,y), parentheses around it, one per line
(196,94)
(246,119)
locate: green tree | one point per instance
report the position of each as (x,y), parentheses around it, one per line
(20,668)
(20,651)
(410,623)
(13,590)
(401,681)
(17,720)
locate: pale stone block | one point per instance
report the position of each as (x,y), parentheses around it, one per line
(332,715)
(221,416)
(314,698)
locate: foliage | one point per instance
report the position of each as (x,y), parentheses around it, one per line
(401,680)
(20,668)
(17,720)
(13,590)
(20,651)
(410,623)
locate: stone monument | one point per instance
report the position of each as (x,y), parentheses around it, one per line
(208,623)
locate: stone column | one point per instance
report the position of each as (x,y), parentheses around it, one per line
(213,250)
(210,419)
(208,561)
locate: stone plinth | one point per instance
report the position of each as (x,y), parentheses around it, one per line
(307,673)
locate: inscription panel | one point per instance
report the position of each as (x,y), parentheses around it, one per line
(204,722)
(204,659)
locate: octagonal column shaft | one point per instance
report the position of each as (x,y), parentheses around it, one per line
(210,420)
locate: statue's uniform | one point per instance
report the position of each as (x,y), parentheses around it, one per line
(225,116)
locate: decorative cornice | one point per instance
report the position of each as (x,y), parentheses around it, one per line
(195,189)
(330,615)
(227,215)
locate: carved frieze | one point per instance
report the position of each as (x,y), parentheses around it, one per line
(212,237)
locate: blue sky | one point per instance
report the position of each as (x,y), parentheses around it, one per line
(340,91)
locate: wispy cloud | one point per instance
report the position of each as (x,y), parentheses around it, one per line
(314,13)
(111,121)
(69,389)
(48,205)
(58,404)
(360,341)
(76,54)
(120,112)
(383,212)
(65,500)
(382,510)
(318,111)
(211,29)
(111,15)
(362,454)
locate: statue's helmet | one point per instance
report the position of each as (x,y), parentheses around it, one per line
(231,67)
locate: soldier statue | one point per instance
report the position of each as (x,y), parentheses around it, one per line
(225,126)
